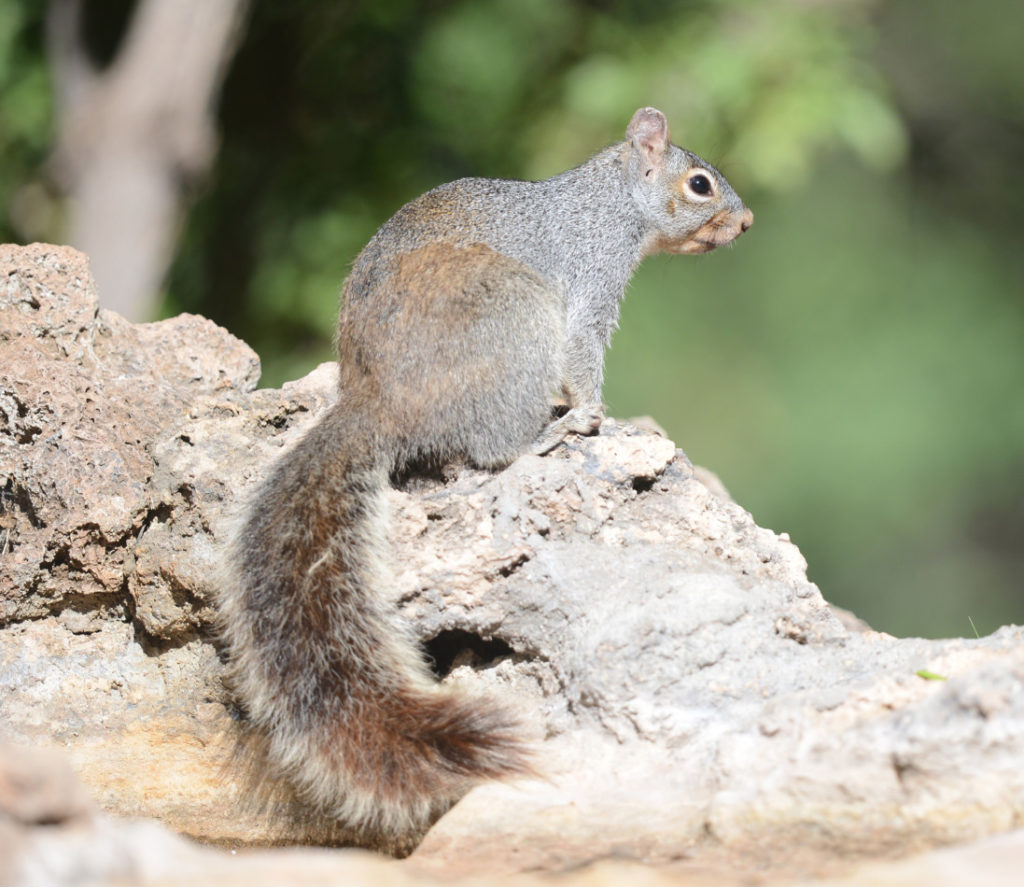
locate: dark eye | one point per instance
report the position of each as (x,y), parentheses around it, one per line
(700,184)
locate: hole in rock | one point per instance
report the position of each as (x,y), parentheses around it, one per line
(643,484)
(458,647)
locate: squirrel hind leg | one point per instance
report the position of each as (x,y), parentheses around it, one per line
(488,352)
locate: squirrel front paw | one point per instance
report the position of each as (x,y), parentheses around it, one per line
(584,420)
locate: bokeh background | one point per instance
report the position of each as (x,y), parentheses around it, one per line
(851,369)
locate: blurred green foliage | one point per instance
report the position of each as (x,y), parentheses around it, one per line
(852,369)
(333,116)
(26,125)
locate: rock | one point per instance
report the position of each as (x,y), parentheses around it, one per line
(38,793)
(994,862)
(688,691)
(50,836)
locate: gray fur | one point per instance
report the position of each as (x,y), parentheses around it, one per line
(464,315)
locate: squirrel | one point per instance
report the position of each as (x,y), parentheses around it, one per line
(461,320)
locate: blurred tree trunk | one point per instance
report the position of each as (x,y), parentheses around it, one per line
(133,136)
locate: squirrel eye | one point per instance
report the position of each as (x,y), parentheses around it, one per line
(699,184)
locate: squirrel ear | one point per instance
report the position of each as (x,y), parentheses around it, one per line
(648,131)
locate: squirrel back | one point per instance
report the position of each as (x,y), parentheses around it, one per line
(462,318)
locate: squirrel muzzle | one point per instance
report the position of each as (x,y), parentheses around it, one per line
(724,227)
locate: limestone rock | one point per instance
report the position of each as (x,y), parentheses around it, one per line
(50,836)
(687,689)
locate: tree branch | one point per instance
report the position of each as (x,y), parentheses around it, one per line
(132,136)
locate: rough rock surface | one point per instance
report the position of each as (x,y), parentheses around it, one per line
(689,692)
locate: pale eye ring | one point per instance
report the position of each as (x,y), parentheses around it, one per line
(700,185)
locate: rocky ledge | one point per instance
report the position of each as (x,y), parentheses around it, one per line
(692,697)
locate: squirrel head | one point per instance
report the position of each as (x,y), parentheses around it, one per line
(688,205)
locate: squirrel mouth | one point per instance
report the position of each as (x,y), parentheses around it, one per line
(723,228)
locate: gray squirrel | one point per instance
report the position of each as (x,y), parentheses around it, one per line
(462,318)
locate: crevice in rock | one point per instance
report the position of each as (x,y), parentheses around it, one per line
(159,513)
(787,628)
(154,646)
(61,558)
(102,605)
(184,596)
(901,768)
(29,433)
(643,484)
(15,500)
(456,646)
(14,413)
(281,420)
(506,570)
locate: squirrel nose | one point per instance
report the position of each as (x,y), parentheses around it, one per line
(747,220)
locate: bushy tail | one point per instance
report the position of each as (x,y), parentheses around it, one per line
(334,687)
